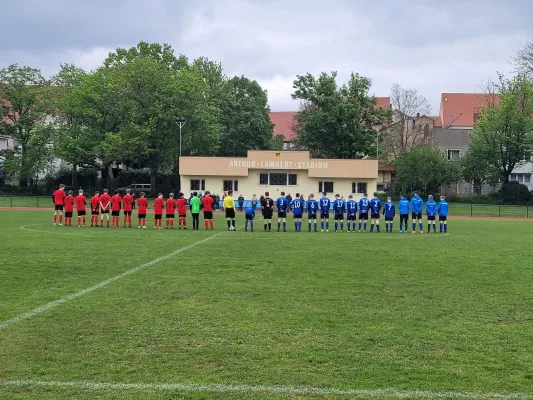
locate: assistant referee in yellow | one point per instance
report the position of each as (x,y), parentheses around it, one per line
(229,208)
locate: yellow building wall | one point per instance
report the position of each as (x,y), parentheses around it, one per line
(249,185)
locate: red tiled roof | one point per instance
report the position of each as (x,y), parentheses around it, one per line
(457,109)
(283,122)
(383,102)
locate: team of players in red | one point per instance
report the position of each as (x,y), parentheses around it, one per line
(104,204)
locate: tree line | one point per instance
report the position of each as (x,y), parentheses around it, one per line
(127,112)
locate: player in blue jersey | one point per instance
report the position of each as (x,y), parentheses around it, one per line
(375,208)
(338,208)
(297,211)
(250,215)
(312,210)
(324,212)
(442,210)
(431,212)
(417,205)
(403,209)
(351,211)
(282,204)
(389,211)
(364,205)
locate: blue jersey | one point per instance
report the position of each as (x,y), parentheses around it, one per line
(417,204)
(297,206)
(442,208)
(338,206)
(403,206)
(351,207)
(389,209)
(431,208)
(325,204)
(282,204)
(375,205)
(250,211)
(312,207)
(364,204)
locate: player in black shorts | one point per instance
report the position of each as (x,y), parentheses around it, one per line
(267,205)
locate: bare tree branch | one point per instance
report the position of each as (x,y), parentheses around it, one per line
(523,60)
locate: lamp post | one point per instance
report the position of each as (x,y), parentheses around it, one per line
(180,121)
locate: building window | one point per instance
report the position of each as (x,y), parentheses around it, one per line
(231,185)
(354,187)
(325,187)
(453,154)
(277,179)
(293,179)
(263,178)
(197,184)
(520,178)
(527,178)
(361,187)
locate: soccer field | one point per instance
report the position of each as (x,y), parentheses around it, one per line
(156,314)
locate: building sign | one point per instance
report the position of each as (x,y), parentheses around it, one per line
(278,164)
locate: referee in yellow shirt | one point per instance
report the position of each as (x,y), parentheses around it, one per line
(229,208)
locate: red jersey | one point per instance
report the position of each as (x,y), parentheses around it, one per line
(182,206)
(80,203)
(127,200)
(59,197)
(142,203)
(69,204)
(105,199)
(115,202)
(95,203)
(171,206)
(158,206)
(207,203)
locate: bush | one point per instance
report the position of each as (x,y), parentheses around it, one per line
(511,193)
(474,199)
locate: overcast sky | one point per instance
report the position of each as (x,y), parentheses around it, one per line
(451,46)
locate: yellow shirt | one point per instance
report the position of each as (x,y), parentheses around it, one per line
(229,202)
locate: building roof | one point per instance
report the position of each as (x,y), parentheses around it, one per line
(437,123)
(457,109)
(284,120)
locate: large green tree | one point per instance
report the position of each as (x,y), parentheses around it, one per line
(245,118)
(504,132)
(75,141)
(25,105)
(337,121)
(426,169)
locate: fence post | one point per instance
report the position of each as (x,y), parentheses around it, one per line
(499,211)
(11,202)
(38,198)
(471,211)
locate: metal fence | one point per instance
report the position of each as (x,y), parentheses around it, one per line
(456,209)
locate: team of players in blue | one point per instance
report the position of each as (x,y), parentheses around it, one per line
(363,207)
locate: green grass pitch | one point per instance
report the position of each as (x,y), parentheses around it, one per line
(309,316)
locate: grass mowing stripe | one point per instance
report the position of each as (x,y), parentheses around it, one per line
(290,390)
(55,303)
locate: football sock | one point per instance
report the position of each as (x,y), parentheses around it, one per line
(342,226)
(360,224)
(251,225)
(445,228)
(336,225)
(270,226)
(377,226)
(212,224)
(429,228)
(315,226)
(414,226)
(266,226)
(391,226)
(229,223)
(421,226)
(279,226)
(353,226)
(440,227)
(233,223)
(296,226)
(79,220)
(246,225)
(144,221)
(434,228)
(371,227)
(322,225)
(327,225)
(309,226)
(365,226)
(284,226)
(84,220)
(55,218)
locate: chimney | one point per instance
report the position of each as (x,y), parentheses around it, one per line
(418,115)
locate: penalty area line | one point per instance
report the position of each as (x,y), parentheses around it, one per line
(290,390)
(55,303)
(26,228)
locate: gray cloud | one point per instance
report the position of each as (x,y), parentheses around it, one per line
(451,46)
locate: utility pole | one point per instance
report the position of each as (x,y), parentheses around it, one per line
(180,121)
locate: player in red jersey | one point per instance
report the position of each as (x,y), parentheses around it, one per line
(128,203)
(95,208)
(159,203)
(170,211)
(142,205)
(115,209)
(105,205)
(181,204)
(59,201)
(81,201)
(207,205)
(69,208)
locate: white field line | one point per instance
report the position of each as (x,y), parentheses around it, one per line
(25,228)
(283,390)
(55,303)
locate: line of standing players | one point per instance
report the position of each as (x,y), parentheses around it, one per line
(339,206)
